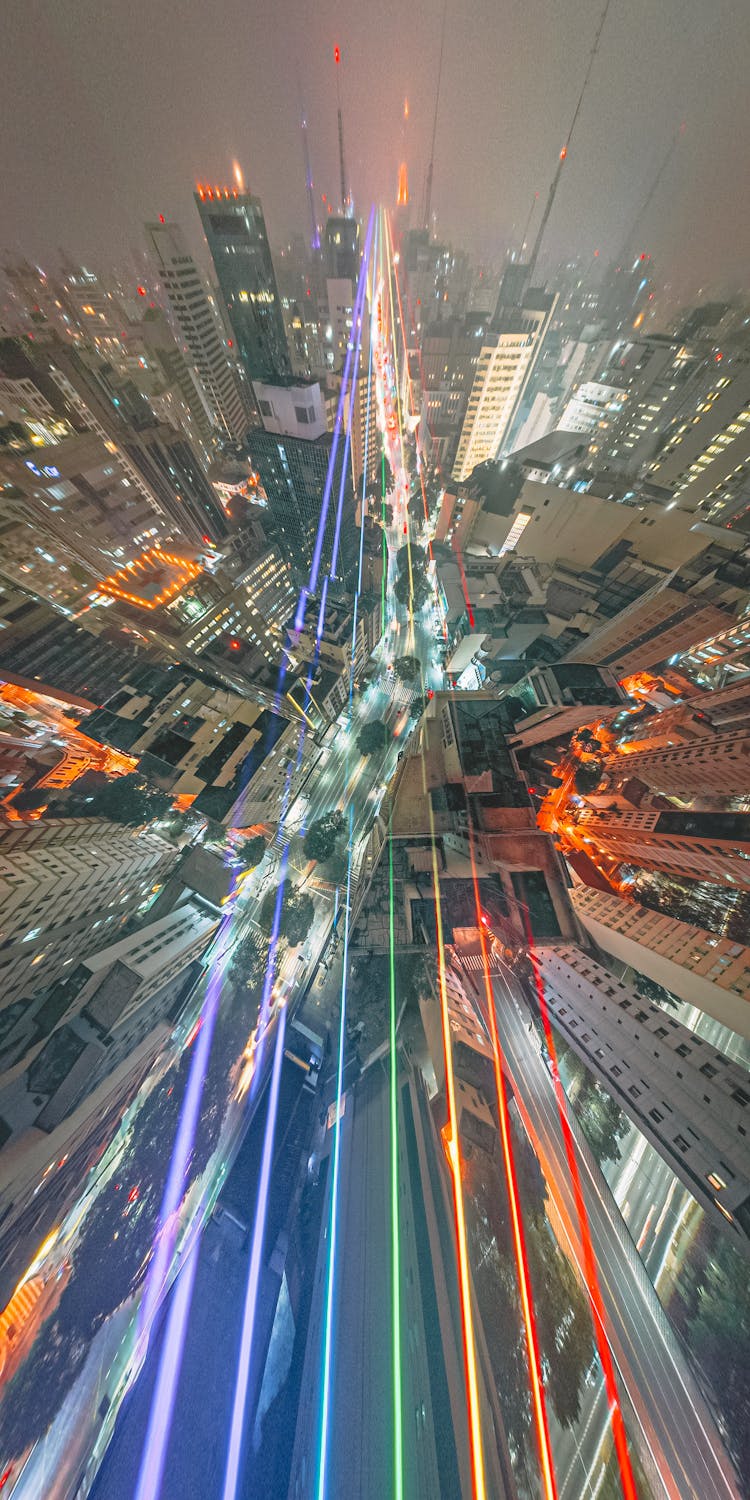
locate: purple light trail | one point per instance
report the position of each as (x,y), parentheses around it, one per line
(237,1426)
(299,618)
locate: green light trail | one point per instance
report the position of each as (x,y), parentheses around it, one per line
(398,1451)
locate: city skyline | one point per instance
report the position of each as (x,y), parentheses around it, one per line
(498,139)
(375,761)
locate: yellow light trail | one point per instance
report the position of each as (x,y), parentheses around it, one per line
(479,1487)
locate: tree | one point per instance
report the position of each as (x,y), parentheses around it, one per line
(322,835)
(414,590)
(372,737)
(297,913)
(386,513)
(566,1331)
(414,555)
(251,850)
(603,1122)
(122,799)
(587,777)
(416,505)
(407,668)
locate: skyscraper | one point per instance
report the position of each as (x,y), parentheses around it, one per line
(688,1099)
(235,230)
(230,401)
(509,350)
(293,471)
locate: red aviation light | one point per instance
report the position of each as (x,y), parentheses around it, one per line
(563,153)
(336,56)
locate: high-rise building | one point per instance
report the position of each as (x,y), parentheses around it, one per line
(700,968)
(229,398)
(294,472)
(70,505)
(509,349)
(41,649)
(703,771)
(157,461)
(656,626)
(235,230)
(710,846)
(705,463)
(224,752)
(686,1097)
(67,885)
(341,248)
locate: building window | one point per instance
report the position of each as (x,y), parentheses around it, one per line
(709,1070)
(683,1050)
(680,1141)
(634,1091)
(655,1115)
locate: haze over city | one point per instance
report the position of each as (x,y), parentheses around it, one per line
(148,99)
(375,752)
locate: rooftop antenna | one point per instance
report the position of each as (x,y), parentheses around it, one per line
(564,153)
(342,169)
(314,230)
(428,184)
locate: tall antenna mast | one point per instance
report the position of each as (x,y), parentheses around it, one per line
(342,169)
(314,230)
(564,153)
(428,184)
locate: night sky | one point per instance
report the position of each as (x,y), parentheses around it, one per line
(112,108)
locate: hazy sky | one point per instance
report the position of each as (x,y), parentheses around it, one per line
(112,108)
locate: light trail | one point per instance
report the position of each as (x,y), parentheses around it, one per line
(347,446)
(327,1355)
(479,1489)
(154,1453)
(166,1234)
(589,1259)
(157,1437)
(325,1415)
(299,618)
(533,1353)
(237,1425)
(451,1133)
(398,1451)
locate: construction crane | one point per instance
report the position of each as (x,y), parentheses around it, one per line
(651,194)
(564,153)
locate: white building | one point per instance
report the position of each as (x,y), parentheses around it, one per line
(592,407)
(508,353)
(690,1101)
(702,969)
(65,885)
(198,326)
(295,409)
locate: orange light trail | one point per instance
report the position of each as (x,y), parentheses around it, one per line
(453,1152)
(519,1237)
(589,1259)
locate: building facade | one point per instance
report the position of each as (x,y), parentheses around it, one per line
(235,230)
(689,1100)
(230,399)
